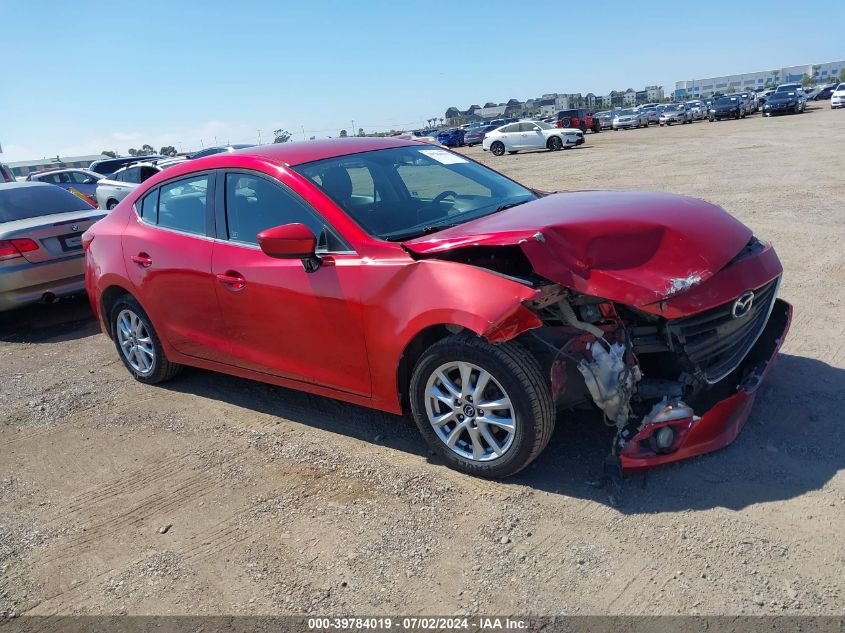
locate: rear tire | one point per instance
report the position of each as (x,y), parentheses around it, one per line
(111,204)
(497,148)
(137,343)
(514,382)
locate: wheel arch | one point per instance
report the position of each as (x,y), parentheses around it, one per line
(415,348)
(108,298)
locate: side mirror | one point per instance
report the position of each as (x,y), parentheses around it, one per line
(291,241)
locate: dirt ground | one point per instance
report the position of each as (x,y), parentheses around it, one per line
(279,502)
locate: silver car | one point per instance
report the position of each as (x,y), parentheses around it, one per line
(41,228)
(675,113)
(116,187)
(628,118)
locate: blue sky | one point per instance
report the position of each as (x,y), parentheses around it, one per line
(79,77)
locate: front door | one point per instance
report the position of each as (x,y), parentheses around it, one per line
(281,319)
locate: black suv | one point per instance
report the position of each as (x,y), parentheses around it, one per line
(580,118)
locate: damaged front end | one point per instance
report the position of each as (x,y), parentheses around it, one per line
(672,388)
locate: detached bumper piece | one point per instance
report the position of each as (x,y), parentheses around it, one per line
(672,432)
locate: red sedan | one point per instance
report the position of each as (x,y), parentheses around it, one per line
(408,278)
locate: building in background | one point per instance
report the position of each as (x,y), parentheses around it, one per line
(551,103)
(702,88)
(23,168)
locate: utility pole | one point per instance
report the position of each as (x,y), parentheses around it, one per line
(302,127)
(352,132)
(259,137)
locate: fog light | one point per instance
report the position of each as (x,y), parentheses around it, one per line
(664,437)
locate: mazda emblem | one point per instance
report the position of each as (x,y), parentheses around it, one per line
(742,306)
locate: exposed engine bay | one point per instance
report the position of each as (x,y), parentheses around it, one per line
(649,375)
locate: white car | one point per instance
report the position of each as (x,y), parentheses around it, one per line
(524,135)
(698,109)
(120,184)
(837,97)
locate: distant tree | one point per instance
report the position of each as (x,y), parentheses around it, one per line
(281,136)
(109,153)
(168,150)
(343,134)
(133,151)
(806,80)
(146,150)
(360,131)
(842,75)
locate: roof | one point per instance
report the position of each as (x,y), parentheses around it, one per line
(308,151)
(60,170)
(62,159)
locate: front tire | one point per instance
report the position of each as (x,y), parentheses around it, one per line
(484,409)
(497,148)
(111,204)
(138,344)
(554,144)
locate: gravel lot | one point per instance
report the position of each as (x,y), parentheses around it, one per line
(216,495)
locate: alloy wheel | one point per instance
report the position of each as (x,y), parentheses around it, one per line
(135,342)
(470,411)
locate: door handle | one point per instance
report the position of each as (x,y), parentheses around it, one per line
(142,259)
(232,281)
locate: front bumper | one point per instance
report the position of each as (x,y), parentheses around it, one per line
(837,102)
(781,109)
(721,423)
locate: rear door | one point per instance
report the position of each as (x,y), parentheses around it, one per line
(167,245)
(282,320)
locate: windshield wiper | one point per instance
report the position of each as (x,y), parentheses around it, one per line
(510,205)
(425,230)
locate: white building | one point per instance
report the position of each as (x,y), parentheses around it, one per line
(821,73)
(654,93)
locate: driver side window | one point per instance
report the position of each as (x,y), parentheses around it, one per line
(254,204)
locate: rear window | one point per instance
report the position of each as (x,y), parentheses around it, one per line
(19,203)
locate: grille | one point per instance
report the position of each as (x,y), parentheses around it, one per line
(715,341)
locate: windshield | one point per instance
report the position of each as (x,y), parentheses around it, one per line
(671,108)
(404,192)
(783,95)
(625,112)
(726,101)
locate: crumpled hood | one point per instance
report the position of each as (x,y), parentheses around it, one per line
(631,247)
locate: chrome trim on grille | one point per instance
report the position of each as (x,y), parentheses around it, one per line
(718,370)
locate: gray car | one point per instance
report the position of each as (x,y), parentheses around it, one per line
(112,190)
(676,113)
(629,118)
(41,228)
